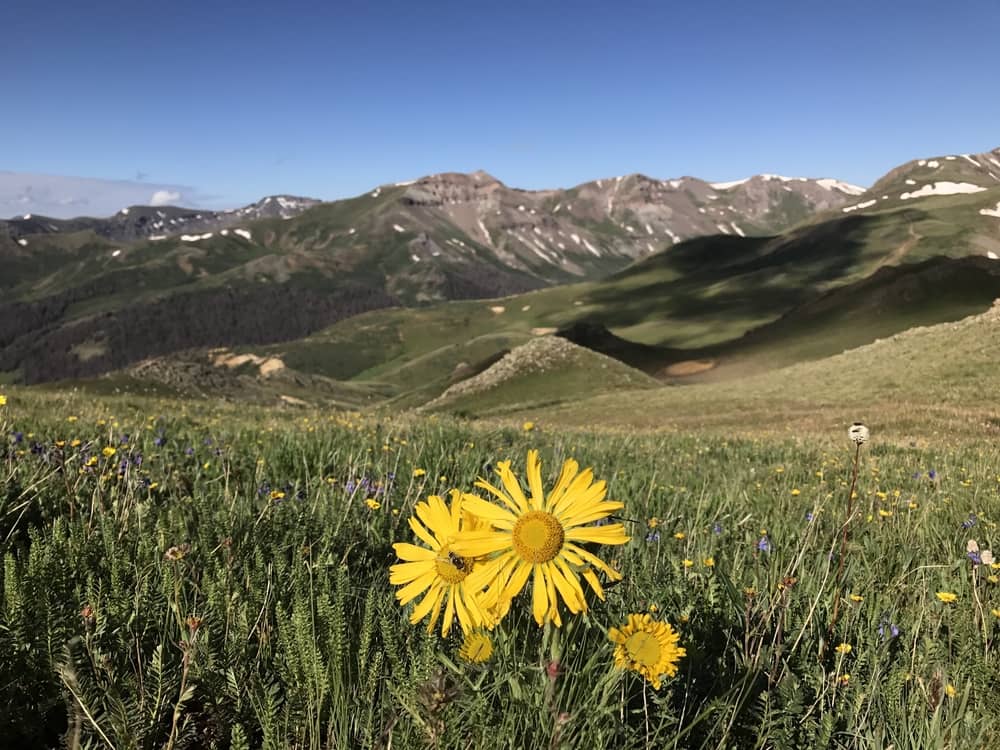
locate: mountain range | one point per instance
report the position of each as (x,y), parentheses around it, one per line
(679,270)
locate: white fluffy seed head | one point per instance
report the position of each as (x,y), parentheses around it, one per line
(858,433)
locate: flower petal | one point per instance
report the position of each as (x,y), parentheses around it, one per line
(406,572)
(421,533)
(426,605)
(535,480)
(594,560)
(512,486)
(566,474)
(413,553)
(412,590)
(479,543)
(539,597)
(611,534)
(489,512)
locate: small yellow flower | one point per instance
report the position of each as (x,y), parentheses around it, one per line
(647,646)
(277,495)
(419,472)
(74,443)
(92,461)
(844,649)
(947,597)
(950,690)
(995,612)
(60,443)
(653,522)
(845,678)
(885,513)
(912,505)
(857,598)
(528,426)
(680,535)
(3,400)
(373,504)
(993,579)
(796,492)
(688,563)
(108,451)
(476,648)
(71,419)
(709,562)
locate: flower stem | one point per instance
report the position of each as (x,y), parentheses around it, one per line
(843,542)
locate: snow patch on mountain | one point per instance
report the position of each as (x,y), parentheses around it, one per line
(943,188)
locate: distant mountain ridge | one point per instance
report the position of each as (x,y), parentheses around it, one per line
(157,222)
(88,296)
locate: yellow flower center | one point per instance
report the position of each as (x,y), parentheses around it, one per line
(450,567)
(643,648)
(538,536)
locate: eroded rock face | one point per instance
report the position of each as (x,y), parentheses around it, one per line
(606,223)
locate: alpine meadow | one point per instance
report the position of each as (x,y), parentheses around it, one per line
(521,376)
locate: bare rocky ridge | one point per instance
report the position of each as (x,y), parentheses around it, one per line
(603,223)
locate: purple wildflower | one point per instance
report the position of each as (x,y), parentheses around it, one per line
(653,536)
(764,545)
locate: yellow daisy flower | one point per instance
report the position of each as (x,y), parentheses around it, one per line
(476,648)
(647,646)
(947,597)
(3,400)
(540,537)
(438,569)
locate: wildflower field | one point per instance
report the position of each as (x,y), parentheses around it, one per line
(186,576)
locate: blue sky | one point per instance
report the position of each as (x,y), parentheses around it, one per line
(224,102)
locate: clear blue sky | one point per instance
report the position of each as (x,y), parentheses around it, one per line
(237,100)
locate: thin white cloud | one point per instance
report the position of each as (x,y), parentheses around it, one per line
(165,197)
(64,197)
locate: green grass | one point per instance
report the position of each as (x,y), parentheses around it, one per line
(926,384)
(231,590)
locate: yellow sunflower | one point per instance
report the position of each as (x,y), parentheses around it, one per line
(540,537)
(437,569)
(647,646)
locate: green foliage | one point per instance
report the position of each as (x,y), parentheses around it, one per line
(230,589)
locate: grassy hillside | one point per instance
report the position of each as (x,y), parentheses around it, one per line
(544,371)
(930,384)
